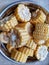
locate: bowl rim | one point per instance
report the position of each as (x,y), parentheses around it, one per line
(1,13)
(17,2)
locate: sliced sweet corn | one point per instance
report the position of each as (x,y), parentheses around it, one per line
(23,35)
(41,32)
(27,51)
(18,56)
(31,44)
(38,17)
(10,24)
(41,52)
(22,13)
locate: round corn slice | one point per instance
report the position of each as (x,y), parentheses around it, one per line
(4,38)
(22,13)
(41,32)
(27,51)
(9,47)
(38,17)
(10,24)
(31,44)
(18,56)
(41,53)
(23,36)
(18,37)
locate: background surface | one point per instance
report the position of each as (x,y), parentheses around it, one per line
(3,4)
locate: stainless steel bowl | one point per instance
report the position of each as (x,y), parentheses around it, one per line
(7,11)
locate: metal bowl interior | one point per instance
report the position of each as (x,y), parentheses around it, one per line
(8,11)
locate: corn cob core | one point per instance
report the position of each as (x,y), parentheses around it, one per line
(18,56)
(41,32)
(38,17)
(31,44)
(22,13)
(27,51)
(10,24)
(41,52)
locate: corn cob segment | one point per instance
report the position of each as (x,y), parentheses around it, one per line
(41,32)
(38,17)
(22,13)
(18,56)
(41,52)
(27,51)
(31,44)
(27,26)
(23,36)
(10,24)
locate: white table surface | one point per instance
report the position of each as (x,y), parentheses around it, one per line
(5,61)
